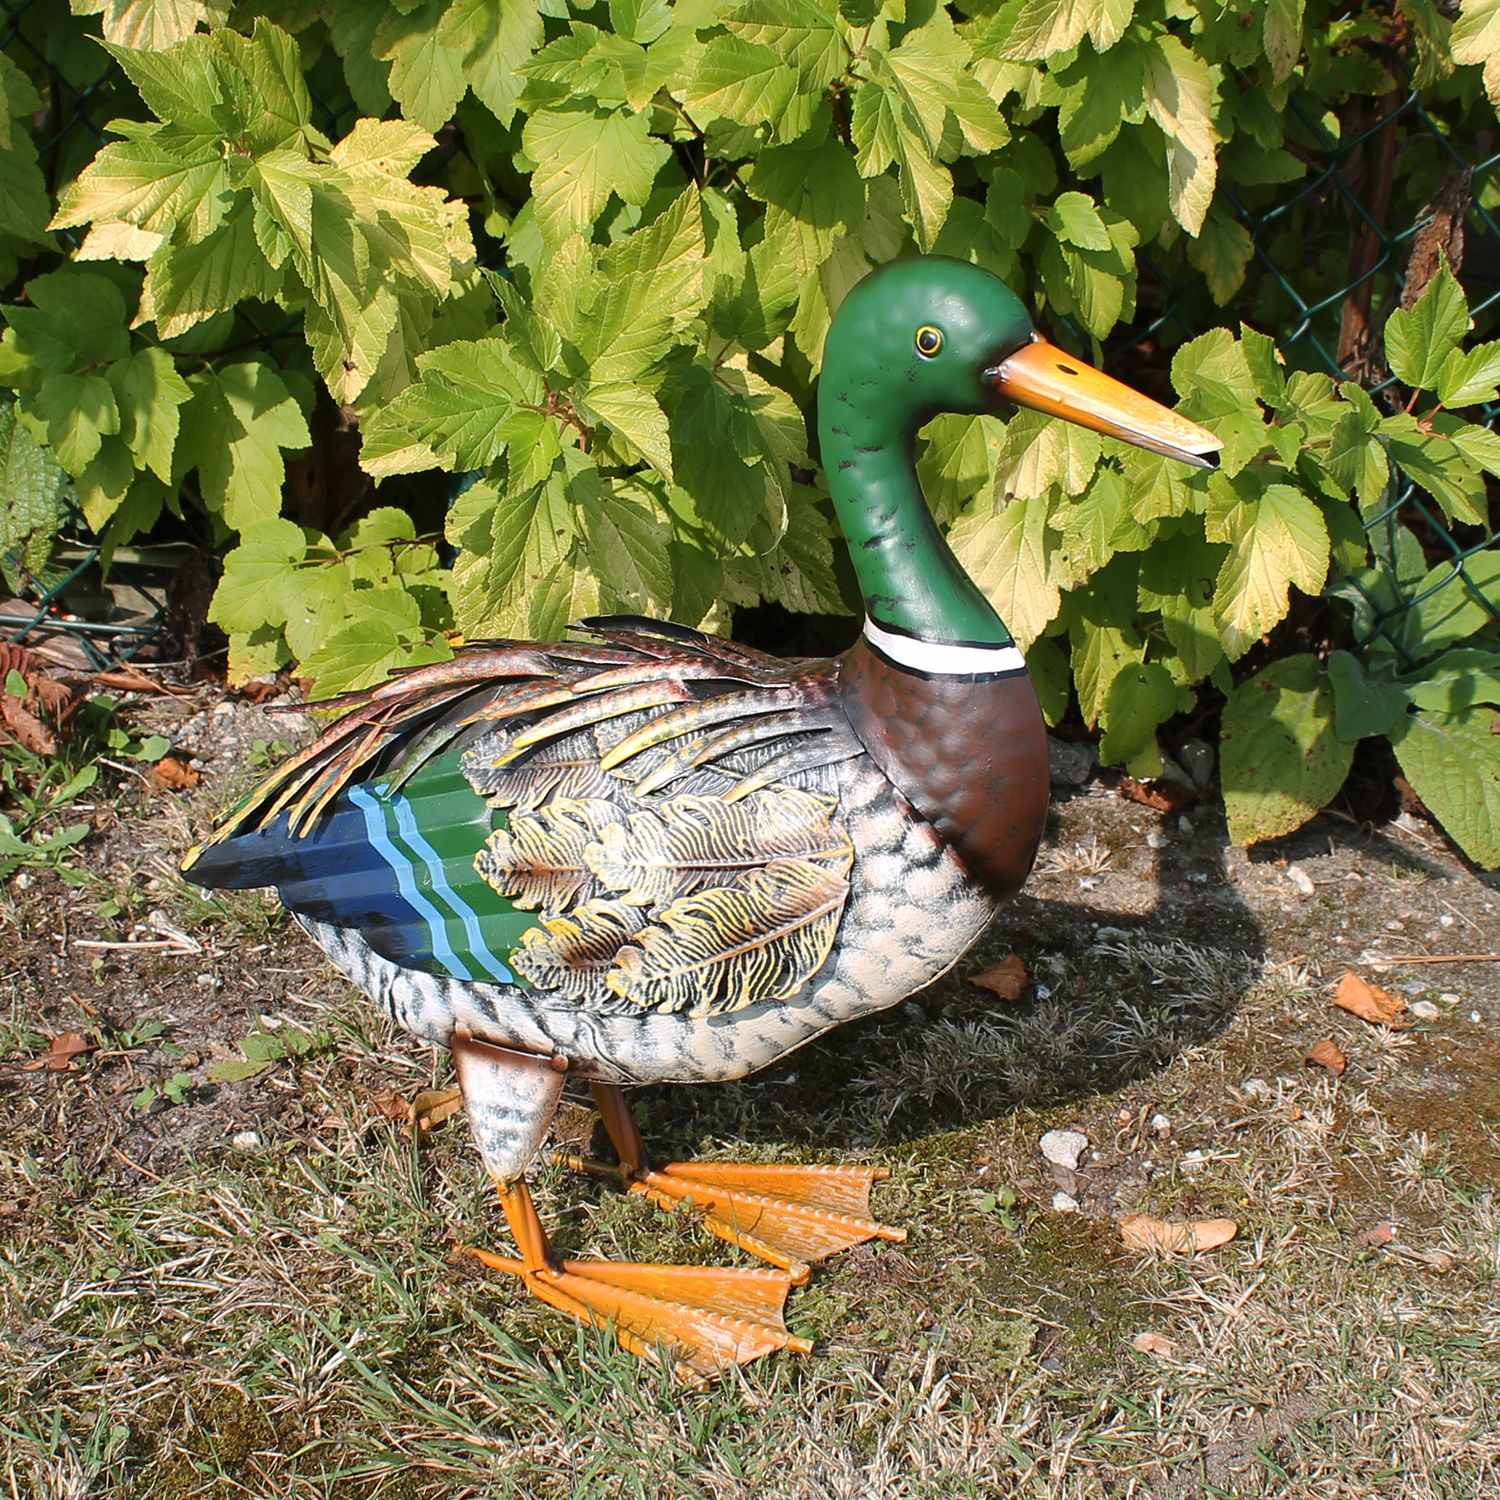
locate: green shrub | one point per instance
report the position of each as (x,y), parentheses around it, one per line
(589,254)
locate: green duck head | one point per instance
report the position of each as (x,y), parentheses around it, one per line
(928,335)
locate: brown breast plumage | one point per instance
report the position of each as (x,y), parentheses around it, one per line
(969,753)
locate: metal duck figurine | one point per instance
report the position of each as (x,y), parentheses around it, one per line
(651,856)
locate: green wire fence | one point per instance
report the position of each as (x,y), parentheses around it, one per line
(1325,259)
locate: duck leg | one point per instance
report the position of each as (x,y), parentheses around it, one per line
(703,1318)
(791,1216)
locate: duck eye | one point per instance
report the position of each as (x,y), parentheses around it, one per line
(929,340)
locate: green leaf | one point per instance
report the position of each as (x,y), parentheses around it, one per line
(427,74)
(1041,451)
(511,546)
(1141,698)
(647,288)
(1177,579)
(1008,553)
(1363,704)
(1418,341)
(1101,94)
(1074,218)
(885,131)
(1356,456)
(383,633)
(1453,763)
(187,283)
(75,317)
(1029,30)
(1281,761)
(1282,33)
(632,412)
(78,411)
(460,413)
(1179,98)
(1475,38)
(1442,470)
(1047,663)
(958,461)
(1456,680)
(798,572)
(1467,379)
(240,420)
(1222,252)
(258,577)
(581,158)
(150,394)
(33,486)
(493,39)
(627,541)
(1275,541)
(1459,604)
(157,181)
(734,437)
(740,81)
(1213,366)
(803,33)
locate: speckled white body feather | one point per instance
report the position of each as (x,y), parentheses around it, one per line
(912,912)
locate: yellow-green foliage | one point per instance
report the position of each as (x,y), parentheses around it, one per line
(588,253)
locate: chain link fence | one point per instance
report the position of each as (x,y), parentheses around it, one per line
(1330,259)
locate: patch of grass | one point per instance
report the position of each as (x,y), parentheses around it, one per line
(184,1319)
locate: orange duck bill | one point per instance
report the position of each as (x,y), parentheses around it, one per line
(1048,379)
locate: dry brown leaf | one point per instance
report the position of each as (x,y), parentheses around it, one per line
(390,1105)
(1369,1002)
(1164,796)
(172,773)
(1179,1236)
(1154,1343)
(432,1106)
(1327,1054)
(61,1050)
(1008,978)
(25,727)
(1377,1235)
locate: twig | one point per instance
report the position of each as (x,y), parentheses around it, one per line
(1435,958)
(99,943)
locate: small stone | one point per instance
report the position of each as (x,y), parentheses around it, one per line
(1156,839)
(1445,920)
(208,981)
(1424,1010)
(247,1140)
(1450,997)
(1064,1148)
(1070,764)
(1160,1125)
(1185,826)
(1197,758)
(1395,925)
(1064,1203)
(1474,1016)
(1256,1088)
(1301,879)
(22,882)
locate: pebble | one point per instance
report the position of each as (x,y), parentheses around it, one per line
(1160,1125)
(247,1140)
(1424,1010)
(1450,997)
(1185,826)
(1064,1148)
(1255,1088)
(1156,839)
(1064,1203)
(1445,920)
(1070,764)
(1301,879)
(1197,758)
